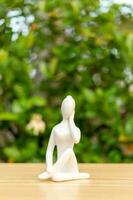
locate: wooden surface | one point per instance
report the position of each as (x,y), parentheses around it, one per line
(108,181)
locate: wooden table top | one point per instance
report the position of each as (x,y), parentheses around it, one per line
(108,181)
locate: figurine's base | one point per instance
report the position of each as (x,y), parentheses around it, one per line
(63,176)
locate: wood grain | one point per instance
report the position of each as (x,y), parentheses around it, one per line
(108,181)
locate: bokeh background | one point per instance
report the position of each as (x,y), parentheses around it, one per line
(53,48)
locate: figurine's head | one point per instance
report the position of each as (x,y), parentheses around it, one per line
(67,107)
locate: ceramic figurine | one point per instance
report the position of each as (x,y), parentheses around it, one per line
(64,135)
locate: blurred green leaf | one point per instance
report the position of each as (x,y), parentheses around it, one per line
(7,116)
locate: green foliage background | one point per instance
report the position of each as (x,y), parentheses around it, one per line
(49,49)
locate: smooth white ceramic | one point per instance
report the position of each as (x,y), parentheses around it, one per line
(64,135)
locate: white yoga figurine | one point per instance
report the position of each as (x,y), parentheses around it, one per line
(64,135)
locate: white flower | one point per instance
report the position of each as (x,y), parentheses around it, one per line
(36,124)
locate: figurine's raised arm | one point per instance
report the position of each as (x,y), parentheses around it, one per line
(75,131)
(68,111)
(49,152)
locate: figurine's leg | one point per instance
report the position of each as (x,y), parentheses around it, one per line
(66,168)
(68,160)
(61,163)
(45,175)
(66,163)
(69,176)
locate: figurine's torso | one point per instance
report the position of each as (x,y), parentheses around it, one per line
(63,137)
